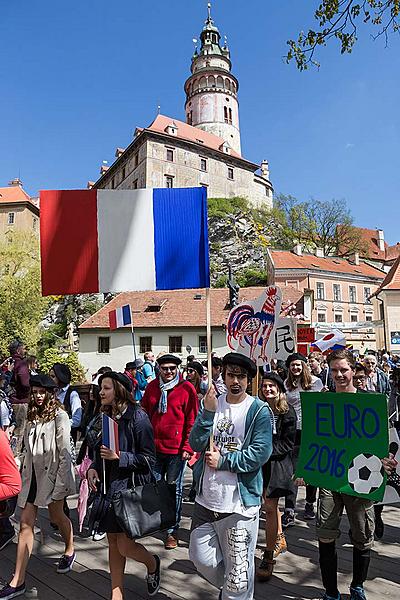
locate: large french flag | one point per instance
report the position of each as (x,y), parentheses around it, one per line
(110,433)
(123,240)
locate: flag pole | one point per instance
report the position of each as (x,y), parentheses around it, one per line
(209,359)
(133,334)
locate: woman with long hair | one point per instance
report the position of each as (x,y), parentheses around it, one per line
(132,464)
(299,379)
(277,472)
(47,478)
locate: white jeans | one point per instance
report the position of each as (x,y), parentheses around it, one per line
(223,552)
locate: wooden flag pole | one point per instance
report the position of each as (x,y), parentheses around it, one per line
(209,358)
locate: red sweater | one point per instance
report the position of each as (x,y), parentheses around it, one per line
(171,429)
(10,479)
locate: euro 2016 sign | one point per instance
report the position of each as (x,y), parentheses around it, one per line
(343,440)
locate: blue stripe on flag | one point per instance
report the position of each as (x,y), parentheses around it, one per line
(181,238)
(105,431)
(126,314)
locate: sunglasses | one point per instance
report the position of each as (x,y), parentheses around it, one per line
(191,370)
(166,369)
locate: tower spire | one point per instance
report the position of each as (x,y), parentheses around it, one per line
(209,11)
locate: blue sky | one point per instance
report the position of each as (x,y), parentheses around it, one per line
(79,76)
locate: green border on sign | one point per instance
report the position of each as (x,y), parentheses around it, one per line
(336,429)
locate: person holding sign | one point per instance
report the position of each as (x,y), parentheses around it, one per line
(233,434)
(331,504)
(299,380)
(278,471)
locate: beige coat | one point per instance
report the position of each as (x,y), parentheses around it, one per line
(48,448)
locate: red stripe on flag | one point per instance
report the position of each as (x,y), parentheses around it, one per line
(68,242)
(112,319)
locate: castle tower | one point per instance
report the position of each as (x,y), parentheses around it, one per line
(211,90)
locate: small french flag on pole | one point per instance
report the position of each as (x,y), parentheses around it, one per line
(120,316)
(110,433)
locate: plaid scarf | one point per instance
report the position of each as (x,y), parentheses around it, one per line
(165,387)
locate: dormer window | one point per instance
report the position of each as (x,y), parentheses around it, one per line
(225,147)
(172,129)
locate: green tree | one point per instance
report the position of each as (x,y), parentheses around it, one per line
(53,355)
(22,306)
(340,19)
(317,224)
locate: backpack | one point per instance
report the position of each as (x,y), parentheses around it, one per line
(67,400)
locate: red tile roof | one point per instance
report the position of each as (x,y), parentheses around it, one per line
(179,308)
(284,259)
(392,279)
(190,133)
(392,252)
(369,238)
(14,193)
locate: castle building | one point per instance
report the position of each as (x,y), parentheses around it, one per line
(203,151)
(18,211)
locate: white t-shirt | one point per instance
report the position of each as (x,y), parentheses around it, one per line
(220,491)
(293,396)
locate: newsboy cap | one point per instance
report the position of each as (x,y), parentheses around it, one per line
(275,378)
(42,380)
(295,356)
(197,367)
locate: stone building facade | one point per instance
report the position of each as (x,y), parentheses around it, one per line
(204,150)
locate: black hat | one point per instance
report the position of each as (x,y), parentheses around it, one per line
(295,356)
(197,367)
(42,380)
(62,372)
(120,377)
(129,366)
(273,376)
(235,358)
(216,361)
(169,358)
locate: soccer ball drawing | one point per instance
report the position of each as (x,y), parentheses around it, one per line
(366,473)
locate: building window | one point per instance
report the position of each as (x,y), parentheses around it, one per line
(337,294)
(321,317)
(368,317)
(353,317)
(338,317)
(11,218)
(135,161)
(203,344)
(226,114)
(230,116)
(170,155)
(113,183)
(123,172)
(203,164)
(352,293)
(135,185)
(190,117)
(230,172)
(145,344)
(34,224)
(320,290)
(367,293)
(175,344)
(169,181)
(103,345)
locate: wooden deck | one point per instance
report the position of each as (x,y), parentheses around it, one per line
(296,575)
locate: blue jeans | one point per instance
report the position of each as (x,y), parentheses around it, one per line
(171,467)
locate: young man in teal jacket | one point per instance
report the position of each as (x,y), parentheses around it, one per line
(229,481)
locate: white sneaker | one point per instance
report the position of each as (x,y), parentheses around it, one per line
(97,537)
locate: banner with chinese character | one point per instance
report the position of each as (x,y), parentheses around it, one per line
(343,440)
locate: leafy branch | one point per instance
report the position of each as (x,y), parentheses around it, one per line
(340,19)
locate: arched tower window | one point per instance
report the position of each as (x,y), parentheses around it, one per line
(227,84)
(195,85)
(226,114)
(211,81)
(203,82)
(230,115)
(220,82)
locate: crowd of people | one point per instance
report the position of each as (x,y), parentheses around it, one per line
(242,444)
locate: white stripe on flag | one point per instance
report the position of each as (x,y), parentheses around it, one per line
(126,240)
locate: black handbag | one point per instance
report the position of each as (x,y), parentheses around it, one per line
(7,507)
(145,509)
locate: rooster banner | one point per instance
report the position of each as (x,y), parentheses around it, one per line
(255,329)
